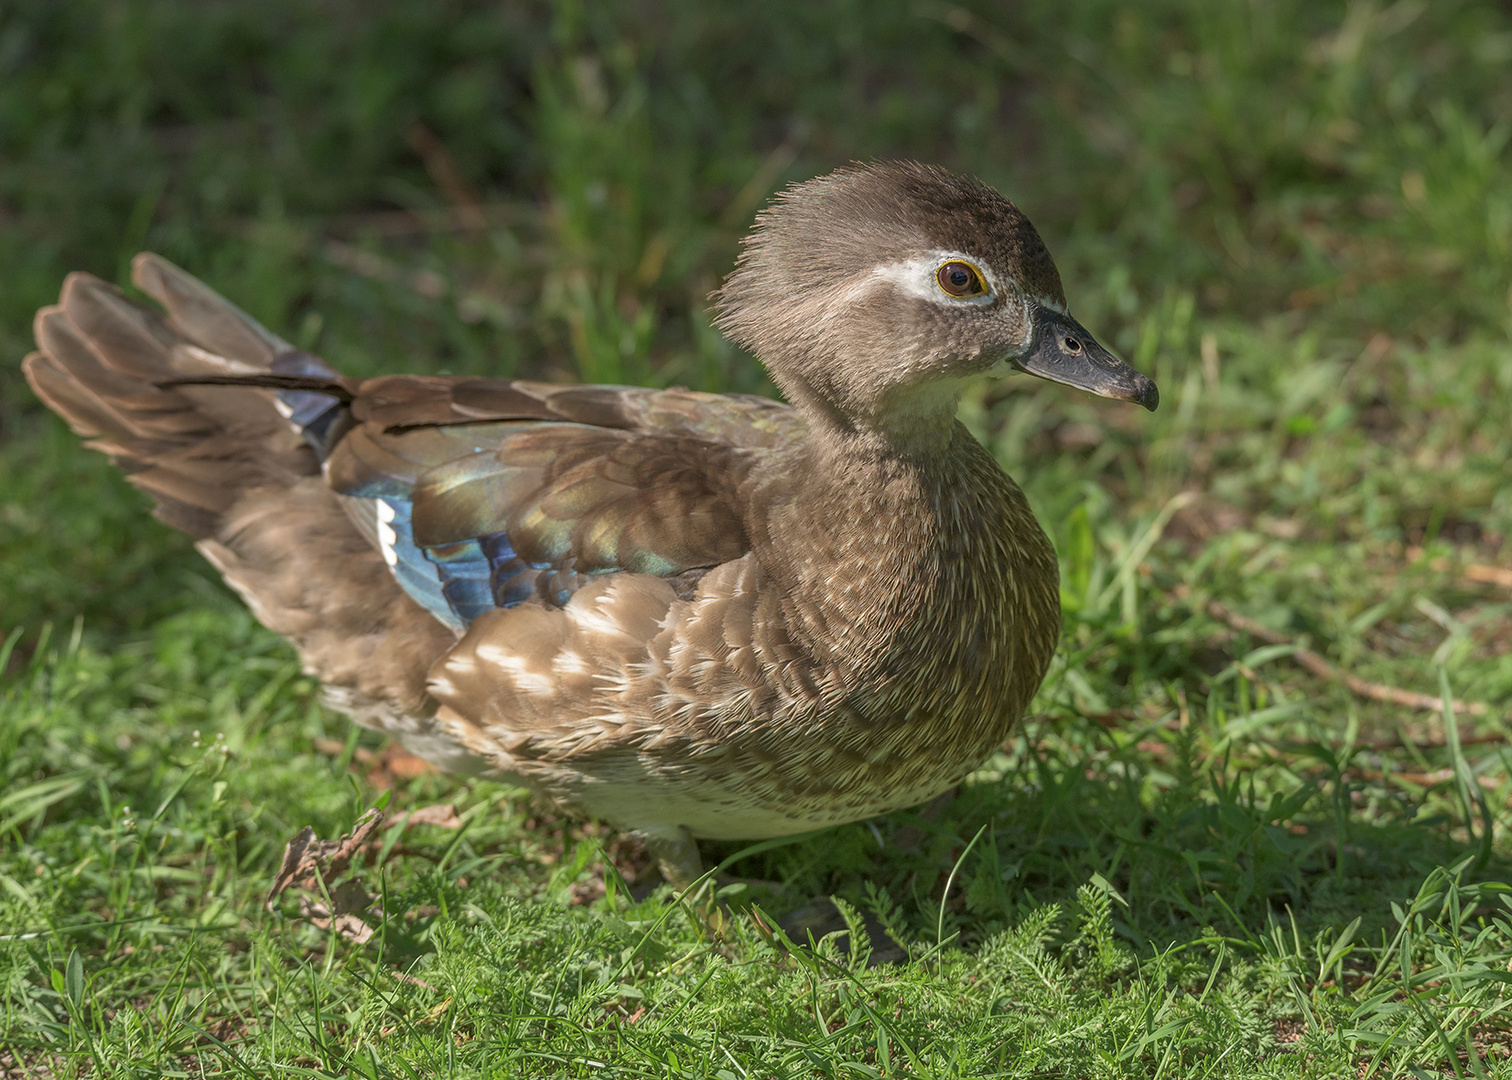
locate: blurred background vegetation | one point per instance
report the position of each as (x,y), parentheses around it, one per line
(1296,215)
(553,189)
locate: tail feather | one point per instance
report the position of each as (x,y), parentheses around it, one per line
(57,336)
(103,365)
(126,337)
(120,408)
(150,462)
(141,344)
(89,414)
(205,317)
(220,421)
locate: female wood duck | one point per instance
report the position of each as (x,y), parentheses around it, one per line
(689,615)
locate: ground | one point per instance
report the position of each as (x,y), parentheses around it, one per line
(1240,836)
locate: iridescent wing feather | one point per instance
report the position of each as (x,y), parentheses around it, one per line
(484,494)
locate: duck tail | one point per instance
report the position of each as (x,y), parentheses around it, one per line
(151,390)
(225,425)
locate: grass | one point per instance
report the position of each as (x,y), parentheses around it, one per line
(1198,858)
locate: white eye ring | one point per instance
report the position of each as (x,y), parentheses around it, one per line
(919,278)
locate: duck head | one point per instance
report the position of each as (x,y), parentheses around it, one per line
(875,293)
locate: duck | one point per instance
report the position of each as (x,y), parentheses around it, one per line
(691,616)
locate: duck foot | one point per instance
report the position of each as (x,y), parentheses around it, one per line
(820,918)
(678,859)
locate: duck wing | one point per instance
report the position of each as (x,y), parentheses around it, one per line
(486,494)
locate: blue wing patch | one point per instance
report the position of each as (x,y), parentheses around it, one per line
(458,582)
(455,582)
(416,574)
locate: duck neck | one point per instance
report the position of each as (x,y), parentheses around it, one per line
(851,422)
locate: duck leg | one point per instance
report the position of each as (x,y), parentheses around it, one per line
(677,857)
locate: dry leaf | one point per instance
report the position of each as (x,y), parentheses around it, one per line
(404,977)
(350,897)
(347,925)
(347,847)
(395,765)
(441,815)
(385,768)
(305,856)
(298,863)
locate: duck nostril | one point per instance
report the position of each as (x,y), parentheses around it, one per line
(1073,345)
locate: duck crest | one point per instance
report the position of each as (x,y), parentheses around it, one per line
(690,615)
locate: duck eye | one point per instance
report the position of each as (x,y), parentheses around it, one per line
(960,279)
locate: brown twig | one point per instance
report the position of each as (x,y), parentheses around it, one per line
(445,174)
(1479,573)
(1320,667)
(400,224)
(1487,575)
(1396,742)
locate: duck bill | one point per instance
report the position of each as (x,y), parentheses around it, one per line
(1062,351)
